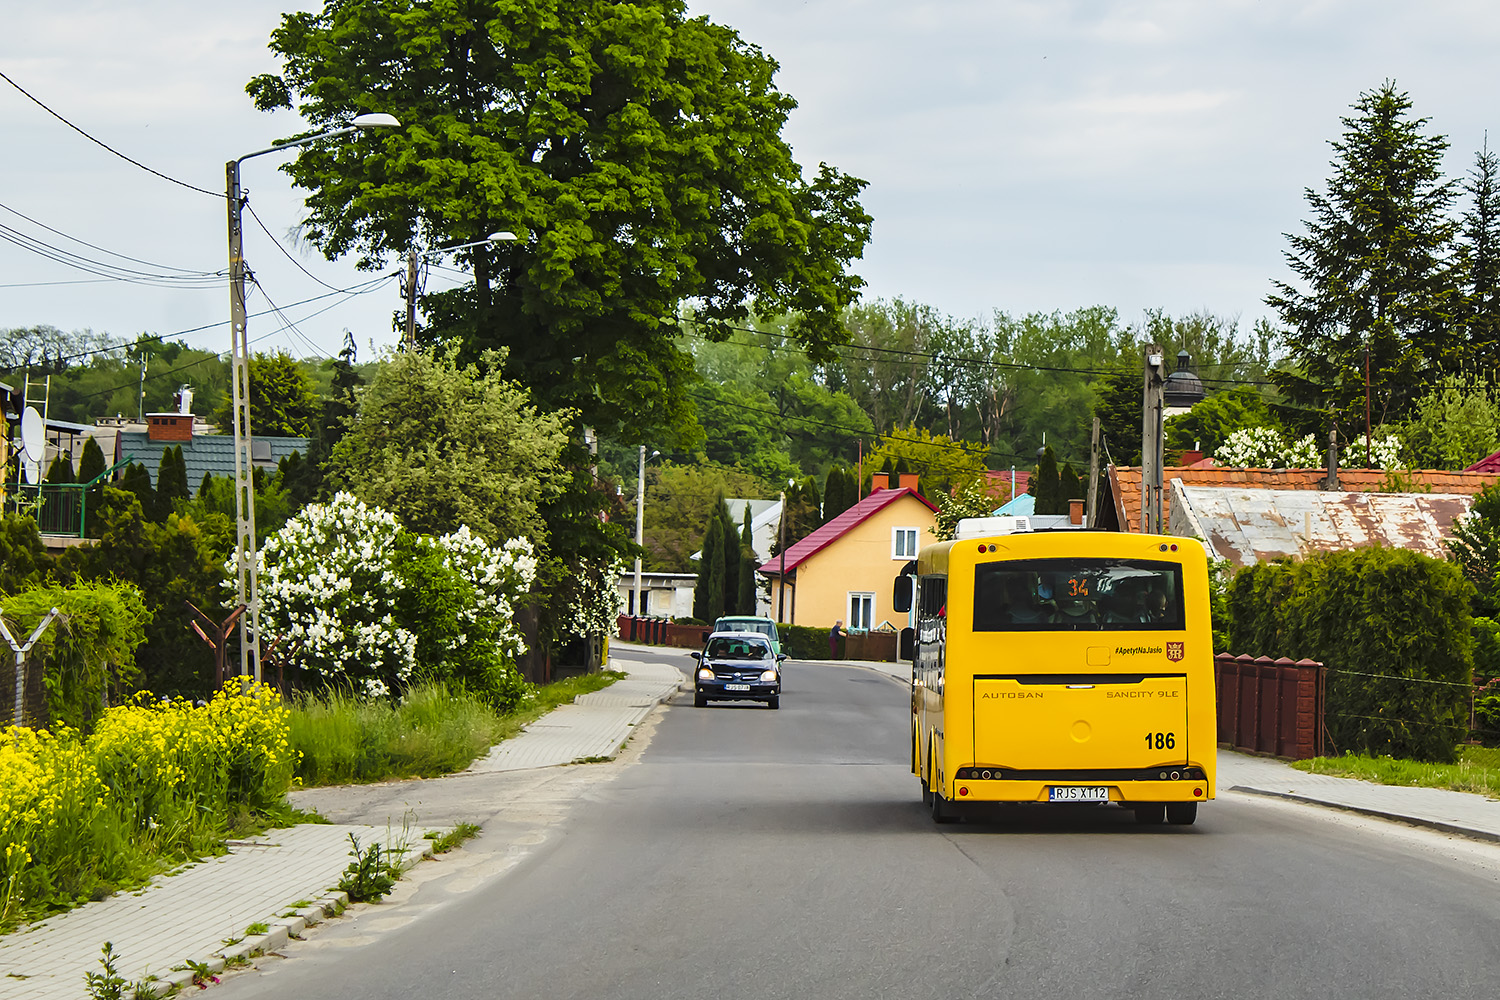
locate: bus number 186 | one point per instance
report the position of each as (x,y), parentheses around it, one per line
(1161,741)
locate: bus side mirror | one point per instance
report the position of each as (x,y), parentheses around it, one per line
(906,588)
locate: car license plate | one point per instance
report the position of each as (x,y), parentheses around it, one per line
(736,687)
(1079,793)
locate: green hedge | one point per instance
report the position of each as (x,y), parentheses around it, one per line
(1393,629)
(804,642)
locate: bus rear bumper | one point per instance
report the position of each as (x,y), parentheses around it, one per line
(1125,793)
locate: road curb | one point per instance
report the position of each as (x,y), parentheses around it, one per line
(1429,824)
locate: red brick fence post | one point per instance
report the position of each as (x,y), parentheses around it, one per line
(1270,706)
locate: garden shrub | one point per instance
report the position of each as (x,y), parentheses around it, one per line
(1392,627)
(372,606)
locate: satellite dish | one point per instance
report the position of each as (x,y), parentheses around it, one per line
(33,434)
(33,471)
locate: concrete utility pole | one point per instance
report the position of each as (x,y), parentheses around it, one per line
(411,299)
(781,577)
(246,571)
(21,649)
(1152,428)
(1093,494)
(640,527)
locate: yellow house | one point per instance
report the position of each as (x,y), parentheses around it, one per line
(846,570)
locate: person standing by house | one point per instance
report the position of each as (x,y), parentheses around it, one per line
(833,639)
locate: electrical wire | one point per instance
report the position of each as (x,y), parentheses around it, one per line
(284,252)
(105,146)
(360,289)
(104,269)
(134,260)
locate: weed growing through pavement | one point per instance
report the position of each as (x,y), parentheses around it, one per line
(371,874)
(442,843)
(110,985)
(256,929)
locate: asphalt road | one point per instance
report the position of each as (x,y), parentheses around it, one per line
(754,853)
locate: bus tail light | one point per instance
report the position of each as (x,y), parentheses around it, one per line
(963,789)
(1197,793)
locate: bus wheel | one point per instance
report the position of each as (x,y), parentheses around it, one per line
(926,794)
(1151,813)
(1182,813)
(942,811)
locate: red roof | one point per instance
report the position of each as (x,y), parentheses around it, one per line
(821,538)
(1489,463)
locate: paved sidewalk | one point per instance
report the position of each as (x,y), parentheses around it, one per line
(1463,813)
(595,725)
(285,878)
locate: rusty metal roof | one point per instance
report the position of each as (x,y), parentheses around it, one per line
(1247,525)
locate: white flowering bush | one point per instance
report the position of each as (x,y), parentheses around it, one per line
(591,602)
(1252,448)
(1265,448)
(366,603)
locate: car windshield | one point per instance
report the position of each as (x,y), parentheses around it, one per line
(764,628)
(725,648)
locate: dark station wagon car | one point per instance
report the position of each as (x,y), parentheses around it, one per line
(738,666)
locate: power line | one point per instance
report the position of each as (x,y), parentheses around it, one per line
(104,145)
(91,246)
(351,291)
(284,252)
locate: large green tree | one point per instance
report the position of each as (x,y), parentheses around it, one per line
(442,445)
(636,152)
(1371,268)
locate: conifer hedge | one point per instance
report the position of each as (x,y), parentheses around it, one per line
(1393,630)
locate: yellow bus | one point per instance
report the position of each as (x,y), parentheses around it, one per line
(1062,667)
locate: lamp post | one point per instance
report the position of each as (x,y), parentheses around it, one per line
(244,487)
(640,524)
(413,258)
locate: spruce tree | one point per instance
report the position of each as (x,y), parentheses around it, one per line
(1372,268)
(1070,485)
(708,596)
(61,469)
(1047,482)
(1480,261)
(137,480)
(92,462)
(745,595)
(171,480)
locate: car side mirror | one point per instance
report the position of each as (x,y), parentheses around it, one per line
(696,656)
(780,657)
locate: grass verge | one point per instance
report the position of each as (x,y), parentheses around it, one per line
(344,739)
(1477,770)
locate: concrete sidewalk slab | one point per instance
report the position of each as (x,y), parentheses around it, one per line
(188,914)
(1461,813)
(596,725)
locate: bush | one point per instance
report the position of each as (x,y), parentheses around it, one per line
(1392,628)
(804,642)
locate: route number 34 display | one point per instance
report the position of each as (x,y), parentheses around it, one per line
(1161,741)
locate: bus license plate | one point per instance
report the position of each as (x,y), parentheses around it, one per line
(736,687)
(1077,793)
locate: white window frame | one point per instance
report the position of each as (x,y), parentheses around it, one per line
(896,536)
(854,600)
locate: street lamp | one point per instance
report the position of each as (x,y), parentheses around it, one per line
(413,257)
(244,487)
(640,524)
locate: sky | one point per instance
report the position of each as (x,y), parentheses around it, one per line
(1020,156)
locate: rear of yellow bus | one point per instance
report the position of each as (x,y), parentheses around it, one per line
(1076,667)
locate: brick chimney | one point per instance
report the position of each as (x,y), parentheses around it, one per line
(177,426)
(1075,512)
(908,481)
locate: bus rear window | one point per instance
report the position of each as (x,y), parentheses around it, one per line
(1049,595)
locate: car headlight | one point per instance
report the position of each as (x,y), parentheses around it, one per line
(768,675)
(705,674)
